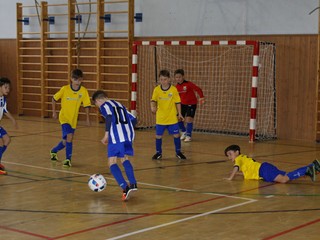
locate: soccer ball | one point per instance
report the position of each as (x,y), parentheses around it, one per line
(97,182)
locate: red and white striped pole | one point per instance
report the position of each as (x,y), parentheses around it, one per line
(134,80)
(254,92)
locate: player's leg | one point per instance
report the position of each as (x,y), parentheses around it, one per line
(174,130)
(2,134)
(281,178)
(68,133)
(159,132)
(116,172)
(116,151)
(182,127)
(128,192)
(189,121)
(6,141)
(128,150)
(61,145)
(303,171)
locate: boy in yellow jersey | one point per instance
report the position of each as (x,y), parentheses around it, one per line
(72,96)
(265,171)
(165,103)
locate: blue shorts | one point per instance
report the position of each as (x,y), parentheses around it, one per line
(269,172)
(66,129)
(2,132)
(120,149)
(172,129)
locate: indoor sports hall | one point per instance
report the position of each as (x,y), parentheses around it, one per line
(257,64)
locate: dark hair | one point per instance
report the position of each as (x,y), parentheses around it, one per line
(4,81)
(179,71)
(232,148)
(98,94)
(164,73)
(76,73)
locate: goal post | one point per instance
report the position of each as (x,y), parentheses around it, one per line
(237,78)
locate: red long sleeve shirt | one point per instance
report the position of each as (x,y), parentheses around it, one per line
(187,91)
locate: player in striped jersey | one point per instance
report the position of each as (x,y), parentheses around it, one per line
(4,137)
(119,135)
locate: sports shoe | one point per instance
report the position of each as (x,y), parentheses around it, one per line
(181,156)
(183,135)
(2,170)
(316,164)
(134,186)
(187,139)
(54,156)
(67,163)
(128,193)
(311,172)
(157,156)
(2,167)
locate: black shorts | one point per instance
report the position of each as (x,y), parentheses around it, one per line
(188,110)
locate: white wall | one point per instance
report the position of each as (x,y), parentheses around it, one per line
(189,17)
(227,17)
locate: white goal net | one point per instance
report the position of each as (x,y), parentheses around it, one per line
(225,73)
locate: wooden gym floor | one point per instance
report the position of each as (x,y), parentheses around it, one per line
(176,200)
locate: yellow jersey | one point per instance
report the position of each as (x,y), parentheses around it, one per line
(71,101)
(248,166)
(166,105)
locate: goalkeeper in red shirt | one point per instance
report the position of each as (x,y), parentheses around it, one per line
(187,91)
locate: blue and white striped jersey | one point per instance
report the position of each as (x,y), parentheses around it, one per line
(3,106)
(121,126)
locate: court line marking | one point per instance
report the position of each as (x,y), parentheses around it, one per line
(180,220)
(111,178)
(292,229)
(147,184)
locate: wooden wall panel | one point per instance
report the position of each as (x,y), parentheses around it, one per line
(8,68)
(296,79)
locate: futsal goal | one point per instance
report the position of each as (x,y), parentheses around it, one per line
(237,78)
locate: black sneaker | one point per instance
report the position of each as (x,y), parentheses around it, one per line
(157,156)
(133,186)
(181,156)
(316,164)
(128,193)
(311,172)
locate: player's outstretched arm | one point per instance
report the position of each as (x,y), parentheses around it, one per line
(233,173)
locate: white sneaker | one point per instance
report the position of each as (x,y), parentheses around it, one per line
(187,139)
(183,135)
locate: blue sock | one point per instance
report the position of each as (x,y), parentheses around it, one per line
(57,148)
(68,150)
(117,174)
(129,171)
(182,127)
(159,145)
(2,150)
(189,129)
(298,172)
(177,144)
